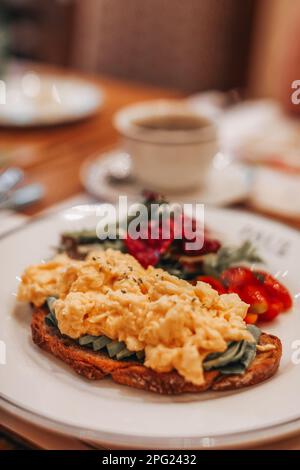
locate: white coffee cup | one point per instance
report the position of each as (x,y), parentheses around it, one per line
(166,159)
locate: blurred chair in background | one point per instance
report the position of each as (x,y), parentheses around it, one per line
(192,45)
(39,30)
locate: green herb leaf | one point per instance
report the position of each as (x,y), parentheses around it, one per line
(215,264)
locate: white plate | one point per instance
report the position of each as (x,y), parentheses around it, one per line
(41,100)
(258,130)
(36,385)
(227,183)
(284,199)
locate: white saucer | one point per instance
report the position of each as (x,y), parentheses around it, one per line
(227,183)
(33,99)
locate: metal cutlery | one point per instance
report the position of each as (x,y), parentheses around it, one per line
(23,197)
(9,179)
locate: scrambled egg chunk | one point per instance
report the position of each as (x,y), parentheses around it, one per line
(110,293)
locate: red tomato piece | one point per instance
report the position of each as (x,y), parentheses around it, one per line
(147,250)
(275,308)
(275,289)
(251,318)
(187,231)
(146,255)
(213,282)
(209,246)
(256,296)
(236,277)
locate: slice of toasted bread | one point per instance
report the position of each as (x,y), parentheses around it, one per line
(97,365)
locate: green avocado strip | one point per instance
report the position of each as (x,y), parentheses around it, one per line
(115,347)
(50,302)
(51,318)
(140,355)
(234,369)
(86,340)
(249,355)
(238,356)
(100,342)
(222,359)
(124,353)
(235,360)
(256,332)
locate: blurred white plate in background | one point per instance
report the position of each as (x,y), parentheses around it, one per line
(32,99)
(258,131)
(276,192)
(226,183)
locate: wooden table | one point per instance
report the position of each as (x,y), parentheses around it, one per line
(52,156)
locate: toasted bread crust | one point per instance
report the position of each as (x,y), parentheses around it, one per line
(97,365)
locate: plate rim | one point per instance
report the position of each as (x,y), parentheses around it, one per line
(258,436)
(238,439)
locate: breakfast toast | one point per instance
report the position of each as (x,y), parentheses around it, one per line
(97,365)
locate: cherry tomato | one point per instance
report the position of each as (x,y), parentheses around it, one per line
(251,318)
(275,308)
(236,277)
(213,282)
(256,296)
(275,289)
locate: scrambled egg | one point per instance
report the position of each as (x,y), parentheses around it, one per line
(110,293)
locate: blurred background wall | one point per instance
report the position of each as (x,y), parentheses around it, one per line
(275,37)
(190,44)
(187,44)
(275,56)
